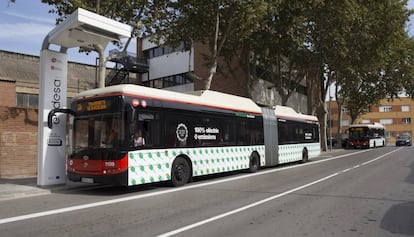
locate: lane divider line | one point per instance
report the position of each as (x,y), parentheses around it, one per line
(240,209)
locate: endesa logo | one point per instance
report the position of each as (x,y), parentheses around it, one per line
(55,61)
(56,98)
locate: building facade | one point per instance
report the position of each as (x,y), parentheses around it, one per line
(395,114)
(19,89)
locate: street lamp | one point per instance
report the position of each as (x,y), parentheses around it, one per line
(81,29)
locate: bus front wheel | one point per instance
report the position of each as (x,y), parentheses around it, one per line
(180,172)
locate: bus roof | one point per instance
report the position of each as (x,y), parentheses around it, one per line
(207,97)
(367,125)
(289,113)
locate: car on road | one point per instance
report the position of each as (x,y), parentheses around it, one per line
(403,140)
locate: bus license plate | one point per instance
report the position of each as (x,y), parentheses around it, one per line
(87,180)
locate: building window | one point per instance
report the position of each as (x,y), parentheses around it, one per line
(385,121)
(390,133)
(160,51)
(24,100)
(385,108)
(345,110)
(366,121)
(406,120)
(330,123)
(27,100)
(405,108)
(170,81)
(345,123)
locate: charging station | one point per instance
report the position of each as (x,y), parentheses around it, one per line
(81,29)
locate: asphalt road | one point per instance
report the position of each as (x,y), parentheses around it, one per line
(352,193)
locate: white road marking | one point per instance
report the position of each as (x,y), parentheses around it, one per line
(223,215)
(140,196)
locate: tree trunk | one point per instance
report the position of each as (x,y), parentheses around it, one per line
(211,72)
(213,64)
(251,71)
(321,113)
(339,102)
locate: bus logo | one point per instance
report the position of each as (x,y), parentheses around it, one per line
(182,132)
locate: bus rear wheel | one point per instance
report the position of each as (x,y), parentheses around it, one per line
(305,156)
(180,172)
(254,163)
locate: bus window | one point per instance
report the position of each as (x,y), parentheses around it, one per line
(145,130)
(228,133)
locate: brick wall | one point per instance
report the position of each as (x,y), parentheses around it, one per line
(228,80)
(18,142)
(8,93)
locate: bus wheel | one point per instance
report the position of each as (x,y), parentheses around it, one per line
(180,172)
(305,156)
(254,163)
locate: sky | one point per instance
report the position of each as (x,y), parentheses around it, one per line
(25,23)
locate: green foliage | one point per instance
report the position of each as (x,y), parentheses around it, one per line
(377,63)
(222,25)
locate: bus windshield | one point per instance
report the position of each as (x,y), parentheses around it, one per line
(358,133)
(97,131)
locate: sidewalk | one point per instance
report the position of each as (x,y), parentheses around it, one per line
(27,187)
(19,188)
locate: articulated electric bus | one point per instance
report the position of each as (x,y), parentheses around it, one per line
(130,135)
(367,135)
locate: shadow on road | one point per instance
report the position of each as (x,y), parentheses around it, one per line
(76,188)
(399,219)
(410,177)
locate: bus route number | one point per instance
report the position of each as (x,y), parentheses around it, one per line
(96,105)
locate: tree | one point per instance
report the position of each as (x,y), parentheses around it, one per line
(279,46)
(213,23)
(381,66)
(350,41)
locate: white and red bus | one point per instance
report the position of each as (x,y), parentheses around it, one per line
(366,135)
(130,135)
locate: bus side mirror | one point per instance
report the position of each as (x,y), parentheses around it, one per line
(53,112)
